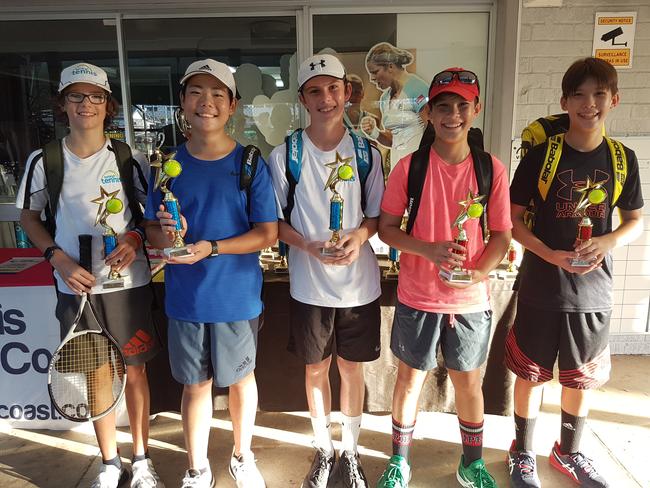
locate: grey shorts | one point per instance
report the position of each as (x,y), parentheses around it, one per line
(416,335)
(126,314)
(224,351)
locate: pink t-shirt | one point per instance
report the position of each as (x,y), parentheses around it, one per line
(445,185)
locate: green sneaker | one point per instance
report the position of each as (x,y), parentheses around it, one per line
(475,475)
(396,475)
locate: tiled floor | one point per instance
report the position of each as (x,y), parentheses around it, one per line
(617,436)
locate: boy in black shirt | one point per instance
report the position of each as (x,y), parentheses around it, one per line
(565,297)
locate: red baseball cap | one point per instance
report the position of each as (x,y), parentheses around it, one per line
(455,80)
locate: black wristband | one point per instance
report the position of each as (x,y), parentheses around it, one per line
(215,249)
(49,252)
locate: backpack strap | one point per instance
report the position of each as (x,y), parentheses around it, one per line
(364,163)
(416,176)
(53,166)
(293,162)
(247,171)
(125,164)
(619,164)
(549,165)
(483,169)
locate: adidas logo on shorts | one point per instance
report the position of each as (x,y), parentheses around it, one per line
(141,342)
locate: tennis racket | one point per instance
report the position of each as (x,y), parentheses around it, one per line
(87,374)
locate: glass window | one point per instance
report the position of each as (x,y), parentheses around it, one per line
(259,50)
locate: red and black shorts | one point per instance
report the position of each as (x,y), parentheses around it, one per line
(578,340)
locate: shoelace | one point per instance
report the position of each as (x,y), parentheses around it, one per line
(483,478)
(352,471)
(244,466)
(105,479)
(585,464)
(190,481)
(323,466)
(526,465)
(394,478)
(144,477)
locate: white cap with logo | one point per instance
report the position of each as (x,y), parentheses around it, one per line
(320,65)
(211,67)
(84,73)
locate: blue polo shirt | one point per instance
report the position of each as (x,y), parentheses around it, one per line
(228,287)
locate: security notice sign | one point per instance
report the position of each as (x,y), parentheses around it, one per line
(614,37)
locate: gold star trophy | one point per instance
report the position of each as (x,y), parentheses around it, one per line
(592,194)
(109,204)
(168,168)
(282,267)
(341,171)
(472,209)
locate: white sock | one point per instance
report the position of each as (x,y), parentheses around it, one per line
(322,434)
(350,428)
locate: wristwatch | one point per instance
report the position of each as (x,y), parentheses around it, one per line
(49,252)
(215,249)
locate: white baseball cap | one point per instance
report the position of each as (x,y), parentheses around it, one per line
(320,65)
(211,67)
(84,73)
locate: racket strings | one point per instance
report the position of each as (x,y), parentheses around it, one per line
(87,377)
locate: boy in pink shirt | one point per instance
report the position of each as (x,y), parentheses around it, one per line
(432,311)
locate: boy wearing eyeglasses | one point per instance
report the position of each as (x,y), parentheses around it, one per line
(90,170)
(433,312)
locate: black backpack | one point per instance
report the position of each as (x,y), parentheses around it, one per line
(418,170)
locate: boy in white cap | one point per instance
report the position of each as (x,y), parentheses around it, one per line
(89,162)
(334,295)
(212,298)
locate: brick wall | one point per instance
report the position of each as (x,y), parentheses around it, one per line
(551,38)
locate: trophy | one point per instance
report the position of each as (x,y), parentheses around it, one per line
(282,267)
(341,171)
(393,257)
(168,168)
(472,209)
(511,257)
(109,204)
(592,194)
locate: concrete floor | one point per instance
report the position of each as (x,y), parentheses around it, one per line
(617,436)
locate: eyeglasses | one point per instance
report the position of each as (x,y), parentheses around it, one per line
(95,98)
(446,77)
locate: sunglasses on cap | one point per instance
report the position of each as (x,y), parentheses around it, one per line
(446,77)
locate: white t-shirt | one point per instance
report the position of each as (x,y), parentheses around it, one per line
(311,281)
(76,213)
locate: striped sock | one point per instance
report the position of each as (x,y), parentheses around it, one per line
(471,434)
(402,438)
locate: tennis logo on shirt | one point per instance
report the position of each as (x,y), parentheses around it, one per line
(110,177)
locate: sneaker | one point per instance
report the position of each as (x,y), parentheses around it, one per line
(145,476)
(320,470)
(475,475)
(578,467)
(522,468)
(195,479)
(111,477)
(348,472)
(396,475)
(244,471)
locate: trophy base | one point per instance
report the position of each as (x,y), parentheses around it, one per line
(581,263)
(391,274)
(281,270)
(456,276)
(177,252)
(111,284)
(268,256)
(330,251)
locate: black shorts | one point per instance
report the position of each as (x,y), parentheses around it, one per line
(579,341)
(312,330)
(126,315)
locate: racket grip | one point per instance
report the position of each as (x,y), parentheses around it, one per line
(85,252)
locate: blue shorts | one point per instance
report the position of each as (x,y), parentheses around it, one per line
(463,338)
(224,351)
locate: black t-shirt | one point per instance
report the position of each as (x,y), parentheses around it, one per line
(547,286)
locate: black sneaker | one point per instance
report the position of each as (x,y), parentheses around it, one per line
(578,467)
(320,471)
(348,472)
(522,468)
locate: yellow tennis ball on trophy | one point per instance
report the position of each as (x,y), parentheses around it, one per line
(596,196)
(114,205)
(172,168)
(475,210)
(346,172)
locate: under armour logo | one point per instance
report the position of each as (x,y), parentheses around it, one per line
(321,63)
(205,67)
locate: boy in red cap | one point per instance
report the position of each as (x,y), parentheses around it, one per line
(431,310)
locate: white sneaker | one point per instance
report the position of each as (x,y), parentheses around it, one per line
(111,477)
(244,471)
(195,479)
(145,476)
